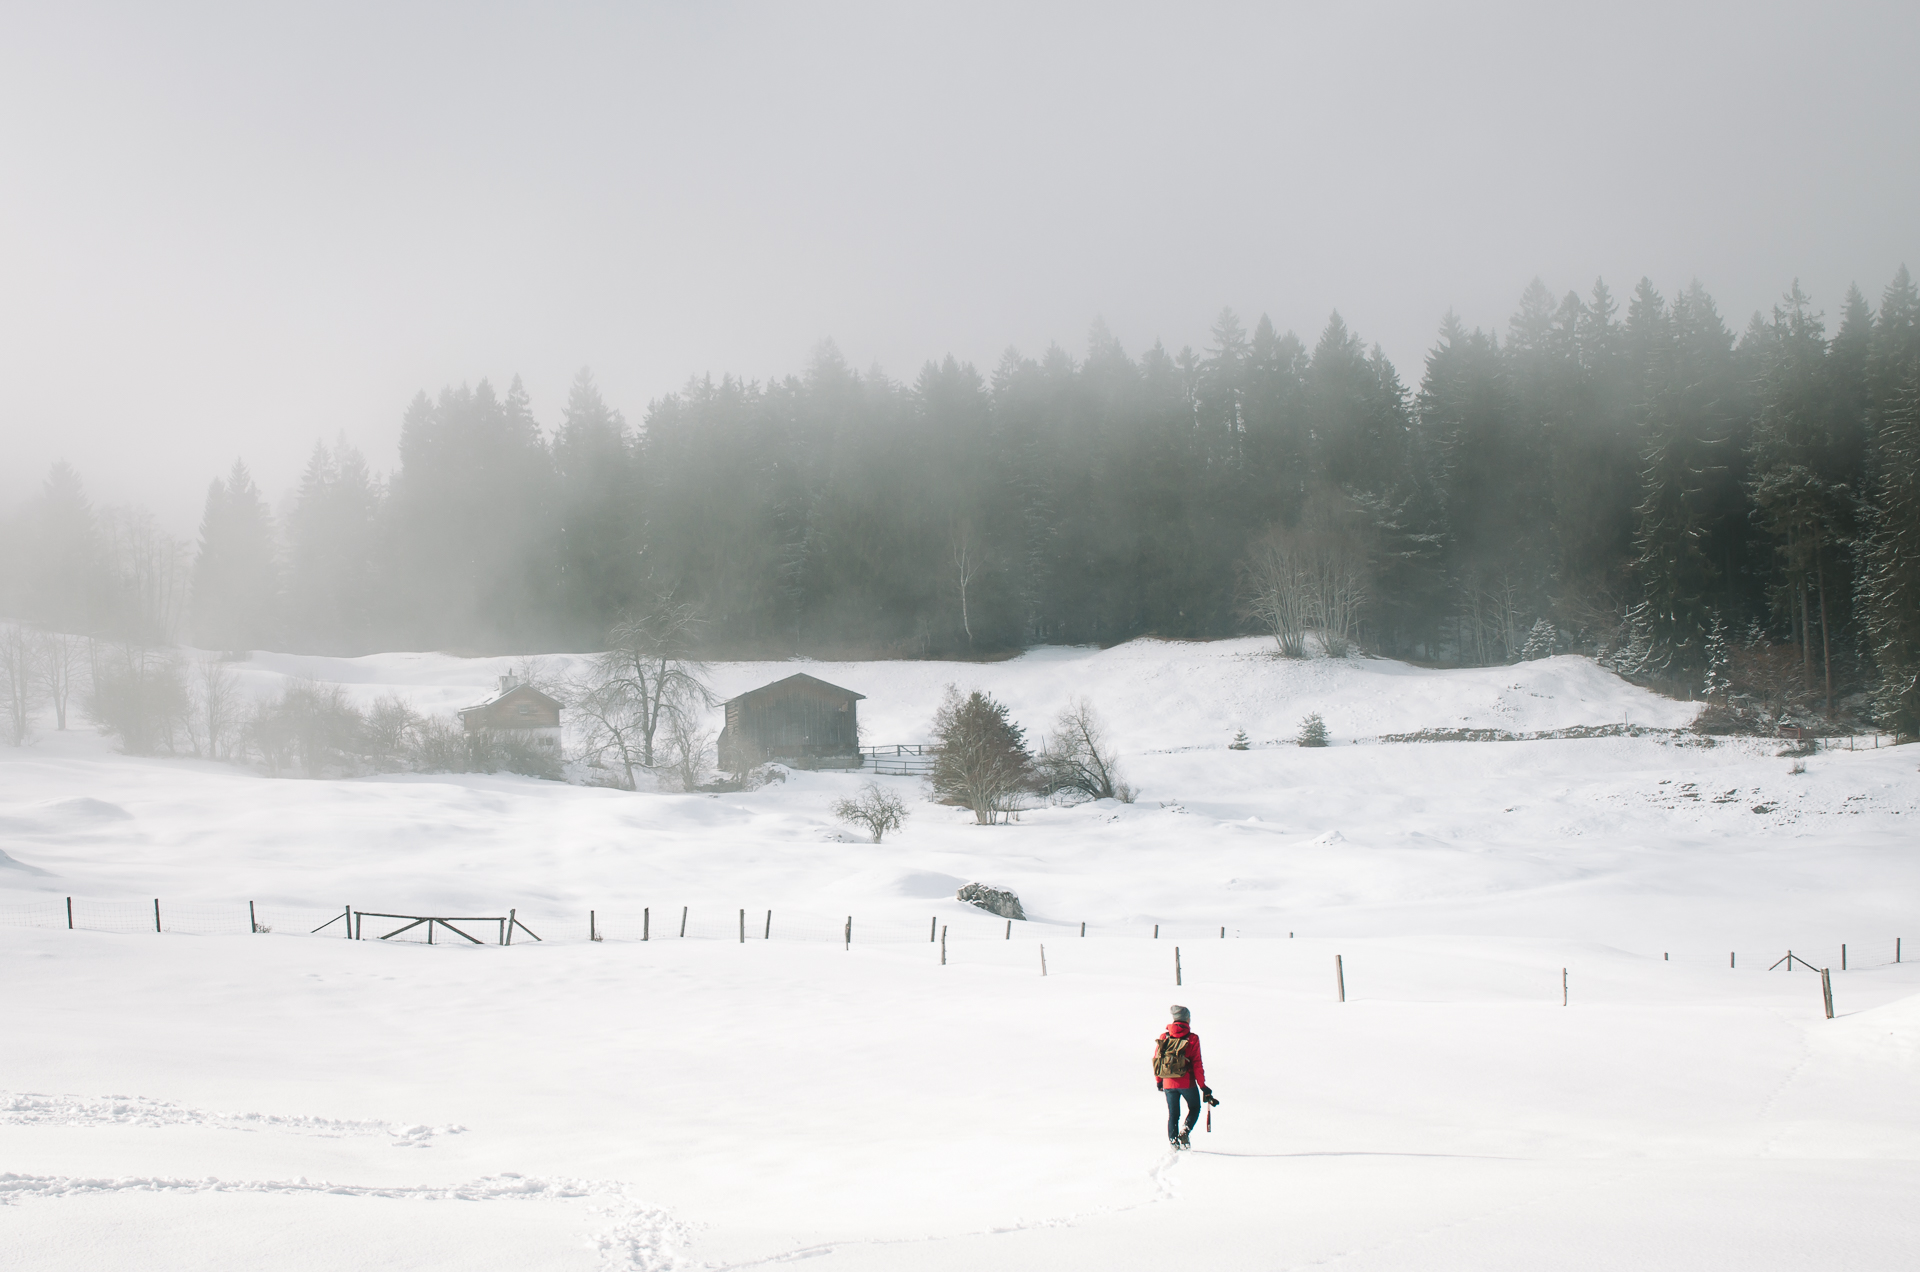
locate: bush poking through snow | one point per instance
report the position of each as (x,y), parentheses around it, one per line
(1313,731)
(875,808)
(1240,742)
(1076,757)
(983,762)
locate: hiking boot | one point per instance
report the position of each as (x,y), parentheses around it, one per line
(1183,1141)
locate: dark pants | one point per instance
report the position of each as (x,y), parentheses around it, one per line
(1174,1095)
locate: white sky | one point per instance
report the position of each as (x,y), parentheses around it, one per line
(227,231)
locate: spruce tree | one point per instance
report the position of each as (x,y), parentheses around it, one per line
(236,575)
(1890,567)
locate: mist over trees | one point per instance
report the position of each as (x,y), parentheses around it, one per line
(1609,477)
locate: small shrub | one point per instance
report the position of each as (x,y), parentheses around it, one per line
(876,808)
(1240,742)
(1313,731)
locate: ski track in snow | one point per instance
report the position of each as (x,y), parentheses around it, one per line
(639,1238)
(29,1108)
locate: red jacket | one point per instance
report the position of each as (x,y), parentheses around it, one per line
(1198,1077)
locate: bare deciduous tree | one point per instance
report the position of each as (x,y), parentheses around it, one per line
(966,565)
(214,722)
(1311,574)
(1276,589)
(139,695)
(647,672)
(20,681)
(687,745)
(1076,757)
(63,662)
(875,808)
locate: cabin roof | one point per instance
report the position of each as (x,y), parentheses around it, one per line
(514,691)
(797,681)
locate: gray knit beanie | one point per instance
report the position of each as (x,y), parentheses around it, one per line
(1182,1015)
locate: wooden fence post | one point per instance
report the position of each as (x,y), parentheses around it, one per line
(768,934)
(1843,956)
(849,932)
(511,916)
(1083,932)
(593,930)
(253,920)
(156,914)
(646,923)
(1730,954)
(1156,931)
(1043,958)
(1009,929)
(1563,987)
(1826,992)
(70,918)
(943,947)
(1223,932)
(1340,977)
(933,929)
(1176,964)
(683,921)
(743,927)
(349,914)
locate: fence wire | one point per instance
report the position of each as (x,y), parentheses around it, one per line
(712,922)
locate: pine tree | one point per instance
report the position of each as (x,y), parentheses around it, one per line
(1719,659)
(598,510)
(336,597)
(236,576)
(1890,574)
(983,762)
(67,583)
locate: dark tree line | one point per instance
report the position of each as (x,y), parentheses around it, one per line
(1624,480)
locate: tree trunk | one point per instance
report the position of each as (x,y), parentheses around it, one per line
(1806,640)
(1826,641)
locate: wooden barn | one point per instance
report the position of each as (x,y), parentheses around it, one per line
(801,720)
(517,709)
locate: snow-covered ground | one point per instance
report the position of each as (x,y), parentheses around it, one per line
(209,1098)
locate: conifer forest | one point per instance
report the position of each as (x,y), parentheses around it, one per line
(1629,478)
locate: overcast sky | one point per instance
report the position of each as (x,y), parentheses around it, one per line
(228,231)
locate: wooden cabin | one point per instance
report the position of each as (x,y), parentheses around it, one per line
(802,720)
(517,709)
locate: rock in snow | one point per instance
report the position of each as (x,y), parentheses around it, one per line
(999,901)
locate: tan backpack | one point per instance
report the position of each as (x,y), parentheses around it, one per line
(1171,1059)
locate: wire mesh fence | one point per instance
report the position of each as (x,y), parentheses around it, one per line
(977,930)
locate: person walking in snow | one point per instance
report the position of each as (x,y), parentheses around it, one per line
(1180,1075)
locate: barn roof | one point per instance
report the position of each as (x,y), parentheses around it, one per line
(796,681)
(513,691)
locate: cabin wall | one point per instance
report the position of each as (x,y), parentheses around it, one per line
(795,725)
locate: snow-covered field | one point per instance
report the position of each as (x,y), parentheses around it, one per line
(209,1098)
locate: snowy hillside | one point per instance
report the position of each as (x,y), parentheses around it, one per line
(1156,695)
(227,1100)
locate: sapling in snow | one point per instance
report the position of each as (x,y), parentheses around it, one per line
(1313,731)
